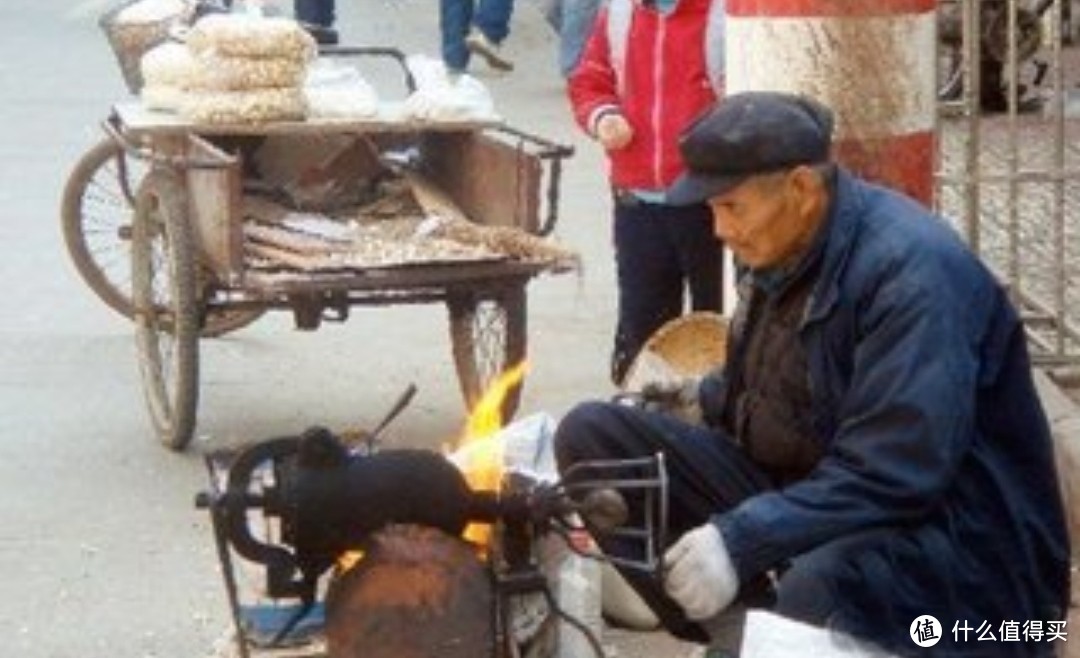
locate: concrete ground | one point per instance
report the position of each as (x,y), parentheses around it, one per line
(102,551)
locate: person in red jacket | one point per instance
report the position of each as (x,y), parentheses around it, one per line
(649,68)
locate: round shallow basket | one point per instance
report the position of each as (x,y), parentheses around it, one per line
(131,40)
(688,346)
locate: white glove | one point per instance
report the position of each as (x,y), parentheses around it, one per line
(700,576)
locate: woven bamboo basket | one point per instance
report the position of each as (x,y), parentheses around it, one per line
(688,346)
(131,40)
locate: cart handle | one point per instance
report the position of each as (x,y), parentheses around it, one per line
(374,51)
(113,128)
(556,153)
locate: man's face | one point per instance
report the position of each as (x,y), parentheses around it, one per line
(768,220)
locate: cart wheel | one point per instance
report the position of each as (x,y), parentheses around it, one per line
(166,322)
(488,336)
(96,219)
(98,202)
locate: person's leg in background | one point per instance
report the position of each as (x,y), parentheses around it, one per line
(552,12)
(491,26)
(318,17)
(701,255)
(455,17)
(649,277)
(576,21)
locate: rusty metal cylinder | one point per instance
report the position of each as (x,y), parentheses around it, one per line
(417,593)
(871,61)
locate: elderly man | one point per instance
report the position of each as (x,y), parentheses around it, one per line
(874,448)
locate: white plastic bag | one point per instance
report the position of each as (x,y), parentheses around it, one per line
(151,11)
(162,98)
(170,64)
(440,96)
(526,448)
(338,91)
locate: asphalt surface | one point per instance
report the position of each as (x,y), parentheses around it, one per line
(102,552)
(101,549)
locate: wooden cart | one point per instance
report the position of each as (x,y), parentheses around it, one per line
(188,259)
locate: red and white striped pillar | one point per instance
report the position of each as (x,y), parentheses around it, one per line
(871,61)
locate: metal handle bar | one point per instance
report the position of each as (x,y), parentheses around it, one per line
(548,150)
(373,51)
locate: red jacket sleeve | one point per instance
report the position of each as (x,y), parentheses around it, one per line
(592,88)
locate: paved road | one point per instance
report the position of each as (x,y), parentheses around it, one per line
(101,551)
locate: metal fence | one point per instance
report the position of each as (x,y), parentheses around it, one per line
(1008,167)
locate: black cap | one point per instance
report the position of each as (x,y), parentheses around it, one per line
(746,134)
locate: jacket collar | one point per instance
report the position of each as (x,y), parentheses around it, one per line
(845,206)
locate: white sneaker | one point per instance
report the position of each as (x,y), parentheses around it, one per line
(479,44)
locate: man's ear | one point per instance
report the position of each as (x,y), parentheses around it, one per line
(806,183)
(804,179)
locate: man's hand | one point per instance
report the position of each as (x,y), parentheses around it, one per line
(678,397)
(613,131)
(700,576)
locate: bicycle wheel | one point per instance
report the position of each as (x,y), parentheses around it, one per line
(96,214)
(488,336)
(96,219)
(165,305)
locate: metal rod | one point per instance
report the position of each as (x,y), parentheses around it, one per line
(1022,175)
(1058,205)
(972,49)
(1013,157)
(403,401)
(221,542)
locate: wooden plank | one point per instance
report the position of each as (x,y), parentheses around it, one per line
(493,182)
(214,207)
(293,241)
(138,121)
(391,281)
(290,259)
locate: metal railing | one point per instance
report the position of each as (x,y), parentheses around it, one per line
(1009,158)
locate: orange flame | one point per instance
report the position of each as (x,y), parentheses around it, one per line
(479,454)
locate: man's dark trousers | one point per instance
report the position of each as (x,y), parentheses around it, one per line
(708,474)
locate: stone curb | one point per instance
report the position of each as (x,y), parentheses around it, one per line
(1064,417)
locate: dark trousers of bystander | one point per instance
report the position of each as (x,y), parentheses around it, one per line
(457,17)
(314,12)
(707,474)
(661,253)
